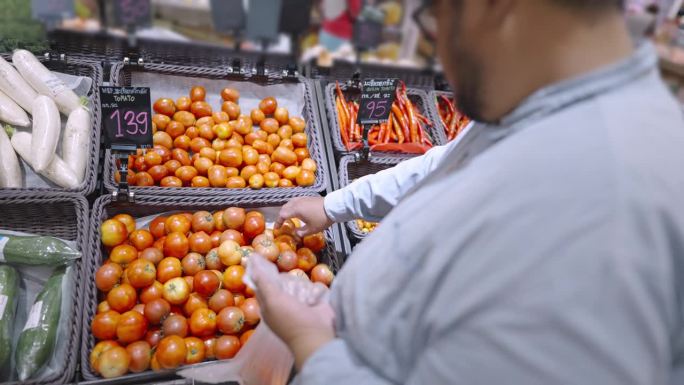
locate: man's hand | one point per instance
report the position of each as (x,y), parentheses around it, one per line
(310,210)
(301,320)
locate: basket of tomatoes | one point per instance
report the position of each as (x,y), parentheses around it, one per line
(449,119)
(409,129)
(352,169)
(165,289)
(223,137)
(53,349)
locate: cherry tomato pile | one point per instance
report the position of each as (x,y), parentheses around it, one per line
(452,120)
(366,226)
(197,146)
(172,294)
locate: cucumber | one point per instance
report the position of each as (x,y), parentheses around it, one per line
(37,340)
(35,250)
(9,287)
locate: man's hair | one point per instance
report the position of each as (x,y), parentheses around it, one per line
(592,4)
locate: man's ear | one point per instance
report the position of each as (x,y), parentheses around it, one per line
(498,11)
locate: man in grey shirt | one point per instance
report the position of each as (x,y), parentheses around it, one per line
(546,246)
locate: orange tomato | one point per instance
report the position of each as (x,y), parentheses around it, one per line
(302,153)
(256,181)
(230,157)
(220,117)
(122,298)
(186,173)
(171,181)
(176,291)
(291,172)
(123,254)
(269,125)
(113,362)
(284,132)
(285,183)
(161,138)
(169,268)
(171,352)
(231,108)
(298,124)
(103,326)
(113,232)
(185,117)
(230,94)
(131,327)
(181,156)
(305,178)
(257,116)
(230,320)
(322,273)
(164,106)
(175,129)
(203,323)
(315,242)
(268,105)
(207,132)
(271,179)
(232,278)
(161,121)
(284,155)
(197,144)
(195,350)
(183,103)
(306,259)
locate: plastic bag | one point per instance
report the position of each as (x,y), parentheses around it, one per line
(29,249)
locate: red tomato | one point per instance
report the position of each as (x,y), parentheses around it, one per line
(232,235)
(140,308)
(157,310)
(226,347)
(194,302)
(254,226)
(306,259)
(209,347)
(157,227)
(114,362)
(287,260)
(97,351)
(266,247)
(151,292)
(164,106)
(206,283)
(103,307)
(104,324)
(239,299)
(132,327)
(230,320)
(141,354)
(122,298)
(215,238)
(176,291)
(192,264)
(315,242)
(127,220)
(244,337)
(267,105)
(153,336)
(176,245)
(152,254)
(196,350)
(141,273)
(213,261)
(232,278)
(141,239)
(169,268)
(177,223)
(190,281)
(322,273)
(203,322)
(234,218)
(250,308)
(203,221)
(171,352)
(123,254)
(107,276)
(230,254)
(175,325)
(200,242)
(221,299)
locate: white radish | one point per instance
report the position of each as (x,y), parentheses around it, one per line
(46,127)
(11,113)
(76,141)
(44,81)
(12,84)
(10,173)
(57,171)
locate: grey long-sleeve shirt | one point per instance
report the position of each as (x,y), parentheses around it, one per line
(548,249)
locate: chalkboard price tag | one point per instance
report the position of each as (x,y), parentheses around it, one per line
(377,96)
(263,17)
(367,34)
(126,117)
(49,10)
(228,15)
(132,12)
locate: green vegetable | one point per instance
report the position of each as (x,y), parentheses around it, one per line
(37,341)
(9,287)
(35,250)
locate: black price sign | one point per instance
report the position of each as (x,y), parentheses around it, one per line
(126,117)
(132,12)
(296,16)
(262,19)
(228,15)
(52,9)
(377,96)
(367,34)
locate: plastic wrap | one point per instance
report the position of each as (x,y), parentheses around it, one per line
(16,248)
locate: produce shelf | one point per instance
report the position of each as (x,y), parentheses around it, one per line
(77,67)
(434,113)
(63,216)
(217,78)
(344,70)
(105,207)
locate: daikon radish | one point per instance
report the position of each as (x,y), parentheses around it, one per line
(46,128)
(57,171)
(11,113)
(10,173)
(12,84)
(44,81)
(76,141)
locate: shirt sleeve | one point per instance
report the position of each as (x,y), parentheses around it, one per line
(373,196)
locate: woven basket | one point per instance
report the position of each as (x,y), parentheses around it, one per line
(121,76)
(105,208)
(65,217)
(434,113)
(350,169)
(76,67)
(417,97)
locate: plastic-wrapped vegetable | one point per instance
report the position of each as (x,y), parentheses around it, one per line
(37,340)
(35,250)
(9,285)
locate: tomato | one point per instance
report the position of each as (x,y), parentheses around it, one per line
(104,324)
(185,117)
(254,226)
(141,273)
(192,263)
(176,325)
(113,362)
(306,178)
(176,245)
(232,235)
(246,251)
(306,259)
(158,173)
(234,218)
(157,310)
(203,322)
(195,350)
(122,298)
(131,327)
(257,116)
(209,347)
(232,278)
(177,223)
(175,130)
(315,242)
(113,232)
(221,299)
(171,181)
(230,253)
(97,351)
(281,115)
(251,311)
(231,108)
(206,132)
(176,291)
(299,139)
(322,273)
(277,168)
(151,292)
(169,268)
(244,337)
(152,159)
(256,181)
(194,302)
(268,105)
(270,178)
(299,273)
(103,307)
(291,172)
(284,132)
(181,156)
(197,93)
(161,138)
(217,176)
(107,276)
(157,227)
(218,220)
(191,132)
(144,179)
(154,363)
(164,106)
(215,237)
(200,242)
(239,299)
(151,254)
(226,347)
(141,354)
(230,94)
(161,120)
(189,279)
(266,247)
(220,117)
(171,352)
(269,125)
(230,157)
(298,124)
(284,155)
(213,261)
(308,164)
(153,336)
(287,260)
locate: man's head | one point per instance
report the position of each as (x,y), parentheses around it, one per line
(496,52)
